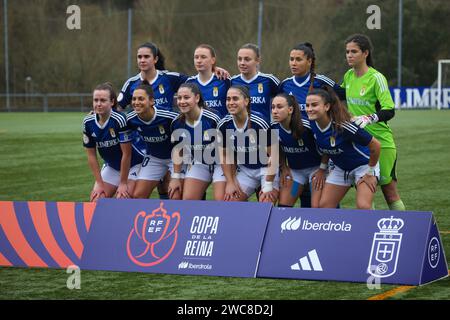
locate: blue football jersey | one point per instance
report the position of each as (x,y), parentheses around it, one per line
(155,133)
(165,85)
(347,149)
(108,137)
(299,87)
(247,142)
(263,87)
(214,93)
(202,136)
(301,153)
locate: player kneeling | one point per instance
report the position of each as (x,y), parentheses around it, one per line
(354,151)
(106,131)
(300,160)
(248,157)
(196,128)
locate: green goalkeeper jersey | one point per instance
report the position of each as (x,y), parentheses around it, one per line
(367,95)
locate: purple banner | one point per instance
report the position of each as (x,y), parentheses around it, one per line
(177,237)
(353,245)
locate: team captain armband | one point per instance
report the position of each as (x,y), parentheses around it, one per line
(125,136)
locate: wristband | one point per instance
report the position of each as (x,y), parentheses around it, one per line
(267,186)
(323,166)
(176,175)
(371,171)
(374,117)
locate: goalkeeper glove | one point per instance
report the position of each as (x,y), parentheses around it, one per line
(365,120)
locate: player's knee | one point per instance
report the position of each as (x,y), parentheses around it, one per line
(191,197)
(219,196)
(139,194)
(363,204)
(315,203)
(176,196)
(326,203)
(390,192)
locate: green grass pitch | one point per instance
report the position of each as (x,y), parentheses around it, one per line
(42,158)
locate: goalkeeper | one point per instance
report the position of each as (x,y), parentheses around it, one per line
(370,102)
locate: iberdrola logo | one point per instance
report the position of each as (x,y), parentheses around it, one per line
(153,237)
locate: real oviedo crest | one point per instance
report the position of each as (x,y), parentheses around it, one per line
(260,88)
(362,91)
(153,237)
(112,132)
(386,248)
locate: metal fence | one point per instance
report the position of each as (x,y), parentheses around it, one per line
(46,102)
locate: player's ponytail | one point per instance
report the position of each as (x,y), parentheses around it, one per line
(296,124)
(337,112)
(364,44)
(308,51)
(156,53)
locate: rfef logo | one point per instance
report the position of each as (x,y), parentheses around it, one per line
(153,237)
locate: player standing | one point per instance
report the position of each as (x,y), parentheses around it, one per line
(369,100)
(213,89)
(152,71)
(302,62)
(262,86)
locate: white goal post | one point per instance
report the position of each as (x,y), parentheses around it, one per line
(439,84)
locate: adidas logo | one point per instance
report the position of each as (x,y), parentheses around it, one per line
(183,265)
(94,135)
(304,264)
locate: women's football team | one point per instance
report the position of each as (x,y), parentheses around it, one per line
(248,134)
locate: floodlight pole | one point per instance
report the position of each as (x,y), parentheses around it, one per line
(400,40)
(260,22)
(5,19)
(130,19)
